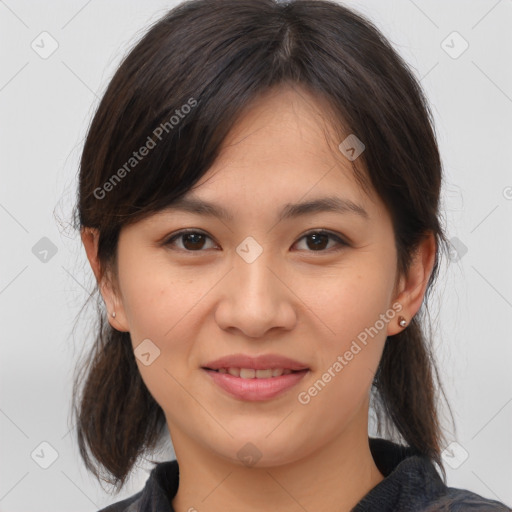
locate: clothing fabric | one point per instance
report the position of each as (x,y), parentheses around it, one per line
(411,484)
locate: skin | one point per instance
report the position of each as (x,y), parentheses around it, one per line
(292,300)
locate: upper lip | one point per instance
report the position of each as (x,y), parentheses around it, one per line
(262,362)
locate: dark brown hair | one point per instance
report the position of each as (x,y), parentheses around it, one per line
(216,56)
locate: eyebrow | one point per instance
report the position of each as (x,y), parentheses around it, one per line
(290,210)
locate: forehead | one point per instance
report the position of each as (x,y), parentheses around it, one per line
(283,123)
(284,147)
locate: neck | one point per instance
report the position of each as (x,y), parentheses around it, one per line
(333,478)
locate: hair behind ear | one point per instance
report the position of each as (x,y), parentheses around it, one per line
(114,399)
(404,382)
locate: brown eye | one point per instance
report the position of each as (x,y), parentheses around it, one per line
(317,241)
(191,241)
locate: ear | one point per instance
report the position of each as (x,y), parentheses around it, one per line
(90,237)
(412,288)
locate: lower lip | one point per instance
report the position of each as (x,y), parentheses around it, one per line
(255,389)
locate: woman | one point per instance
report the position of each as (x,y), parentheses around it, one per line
(259,202)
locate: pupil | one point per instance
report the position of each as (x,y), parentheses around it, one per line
(195,241)
(318,242)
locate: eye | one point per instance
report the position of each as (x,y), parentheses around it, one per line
(192,241)
(319,239)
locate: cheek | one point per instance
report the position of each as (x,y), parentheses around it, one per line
(155,296)
(167,307)
(348,354)
(162,311)
(348,306)
(347,300)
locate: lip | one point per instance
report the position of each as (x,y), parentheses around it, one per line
(255,389)
(262,362)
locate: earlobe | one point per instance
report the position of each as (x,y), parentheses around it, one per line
(399,323)
(115,311)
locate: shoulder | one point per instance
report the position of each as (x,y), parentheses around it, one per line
(462,500)
(157,494)
(130,504)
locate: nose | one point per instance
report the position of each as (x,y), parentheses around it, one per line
(256,299)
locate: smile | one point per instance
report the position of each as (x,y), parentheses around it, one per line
(249,384)
(251,373)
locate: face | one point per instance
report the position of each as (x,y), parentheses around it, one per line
(316,287)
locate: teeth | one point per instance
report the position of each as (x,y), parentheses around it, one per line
(263,374)
(246,373)
(251,373)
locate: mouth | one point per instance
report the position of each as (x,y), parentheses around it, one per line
(253,373)
(249,384)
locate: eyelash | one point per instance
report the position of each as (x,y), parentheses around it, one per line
(169,241)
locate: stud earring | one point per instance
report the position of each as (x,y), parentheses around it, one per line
(401,321)
(113,314)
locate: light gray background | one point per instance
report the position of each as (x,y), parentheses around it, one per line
(46,106)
